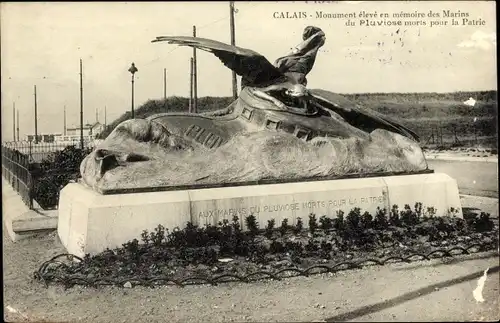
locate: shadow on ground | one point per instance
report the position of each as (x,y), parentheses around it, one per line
(365,310)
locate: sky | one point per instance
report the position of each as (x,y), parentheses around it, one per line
(42,43)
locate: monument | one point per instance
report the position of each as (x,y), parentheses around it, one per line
(281,150)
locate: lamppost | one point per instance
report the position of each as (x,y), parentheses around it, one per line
(36,117)
(132,70)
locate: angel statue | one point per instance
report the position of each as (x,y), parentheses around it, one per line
(274,99)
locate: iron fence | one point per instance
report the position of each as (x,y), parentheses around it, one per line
(37,152)
(29,168)
(443,138)
(457,132)
(57,272)
(16,170)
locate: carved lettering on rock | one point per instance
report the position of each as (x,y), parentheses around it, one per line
(311,205)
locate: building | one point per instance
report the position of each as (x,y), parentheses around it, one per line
(90,133)
(88,130)
(43,137)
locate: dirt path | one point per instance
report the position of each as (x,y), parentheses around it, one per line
(418,291)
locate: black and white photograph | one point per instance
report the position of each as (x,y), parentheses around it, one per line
(250,161)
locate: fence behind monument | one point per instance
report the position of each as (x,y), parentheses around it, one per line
(16,170)
(36,152)
(450,136)
(20,167)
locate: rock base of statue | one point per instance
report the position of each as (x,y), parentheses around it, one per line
(90,222)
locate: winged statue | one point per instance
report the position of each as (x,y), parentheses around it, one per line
(274,98)
(284,83)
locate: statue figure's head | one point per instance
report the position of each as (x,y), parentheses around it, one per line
(309,31)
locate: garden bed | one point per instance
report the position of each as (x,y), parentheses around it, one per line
(324,243)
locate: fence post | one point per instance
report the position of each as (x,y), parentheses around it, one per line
(29,151)
(31,187)
(475,132)
(440,134)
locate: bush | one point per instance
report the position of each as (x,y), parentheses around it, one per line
(358,232)
(366,220)
(252,224)
(55,172)
(284,227)
(299,226)
(325,223)
(270,228)
(380,222)
(338,222)
(313,223)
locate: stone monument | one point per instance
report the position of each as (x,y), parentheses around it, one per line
(281,150)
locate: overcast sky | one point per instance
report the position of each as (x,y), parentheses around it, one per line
(41,43)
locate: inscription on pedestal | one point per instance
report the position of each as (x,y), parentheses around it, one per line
(266,210)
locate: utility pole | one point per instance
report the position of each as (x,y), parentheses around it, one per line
(17,124)
(233,42)
(164,84)
(96,115)
(36,120)
(191,76)
(14,120)
(81,104)
(165,89)
(195,77)
(105,117)
(64,122)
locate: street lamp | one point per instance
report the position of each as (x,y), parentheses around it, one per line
(132,70)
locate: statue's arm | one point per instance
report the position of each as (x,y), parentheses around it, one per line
(305,46)
(304,53)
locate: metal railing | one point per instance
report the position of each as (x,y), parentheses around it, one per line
(36,152)
(28,168)
(69,275)
(16,170)
(447,134)
(440,137)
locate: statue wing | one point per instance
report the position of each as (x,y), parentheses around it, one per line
(254,68)
(360,117)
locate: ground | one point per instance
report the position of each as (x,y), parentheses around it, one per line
(423,291)
(479,179)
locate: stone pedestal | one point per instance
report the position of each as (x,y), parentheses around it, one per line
(90,222)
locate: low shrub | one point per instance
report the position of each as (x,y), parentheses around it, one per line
(54,172)
(359,232)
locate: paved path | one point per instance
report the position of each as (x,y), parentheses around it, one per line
(425,291)
(473,178)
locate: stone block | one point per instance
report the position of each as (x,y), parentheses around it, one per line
(90,222)
(20,221)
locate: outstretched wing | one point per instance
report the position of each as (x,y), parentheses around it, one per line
(255,69)
(360,117)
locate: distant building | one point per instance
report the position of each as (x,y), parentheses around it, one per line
(88,130)
(43,137)
(90,133)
